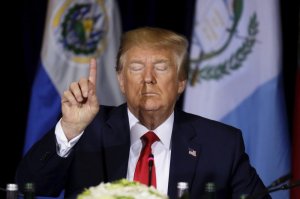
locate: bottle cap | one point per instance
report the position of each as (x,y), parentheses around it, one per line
(12,187)
(210,187)
(244,196)
(182,185)
(29,186)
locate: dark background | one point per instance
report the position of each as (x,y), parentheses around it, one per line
(21,35)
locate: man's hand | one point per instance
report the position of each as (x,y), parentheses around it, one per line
(80,104)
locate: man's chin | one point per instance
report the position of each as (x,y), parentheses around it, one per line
(150,107)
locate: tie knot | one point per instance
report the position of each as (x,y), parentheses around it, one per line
(149,138)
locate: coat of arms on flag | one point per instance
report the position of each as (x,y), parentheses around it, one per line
(216,31)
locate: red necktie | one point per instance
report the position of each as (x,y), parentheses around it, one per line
(141,173)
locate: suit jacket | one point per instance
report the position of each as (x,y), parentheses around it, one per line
(202,151)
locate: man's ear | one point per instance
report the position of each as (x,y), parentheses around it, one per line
(120,77)
(181,86)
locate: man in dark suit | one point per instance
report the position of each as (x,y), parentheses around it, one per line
(92,144)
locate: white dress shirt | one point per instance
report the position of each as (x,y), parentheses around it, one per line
(161,149)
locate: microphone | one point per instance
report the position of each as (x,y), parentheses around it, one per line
(279,181)
(282,187)
(150,164)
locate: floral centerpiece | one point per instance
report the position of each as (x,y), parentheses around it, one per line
(121,189)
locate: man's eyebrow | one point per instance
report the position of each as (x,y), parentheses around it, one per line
(161,61)
(135,61)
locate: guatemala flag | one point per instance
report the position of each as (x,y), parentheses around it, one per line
(75,31)
(235,77)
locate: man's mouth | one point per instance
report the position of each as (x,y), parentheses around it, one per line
(149,94)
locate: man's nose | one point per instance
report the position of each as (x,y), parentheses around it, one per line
(149,75)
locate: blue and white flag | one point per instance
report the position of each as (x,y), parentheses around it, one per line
(235,77)
(75,31)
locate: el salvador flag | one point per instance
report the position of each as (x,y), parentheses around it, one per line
(235,77)
(75,31)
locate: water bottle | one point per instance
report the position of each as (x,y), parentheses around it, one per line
(29,191)
(210,191)
(182,190)
(11,191)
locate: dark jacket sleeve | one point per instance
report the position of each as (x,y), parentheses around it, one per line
(245,180)
(42,166)
(82,168)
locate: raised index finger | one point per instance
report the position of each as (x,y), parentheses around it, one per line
(93,71)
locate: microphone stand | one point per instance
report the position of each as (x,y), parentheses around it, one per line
(279,181)
(150,164)
(283,187)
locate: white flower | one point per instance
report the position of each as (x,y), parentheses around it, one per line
(121,189)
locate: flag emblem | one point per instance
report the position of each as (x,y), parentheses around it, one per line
(214,33)
(80,29)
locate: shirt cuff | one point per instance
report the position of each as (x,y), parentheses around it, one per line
(63,146)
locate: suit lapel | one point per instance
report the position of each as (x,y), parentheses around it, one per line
(184,155)
(117,144)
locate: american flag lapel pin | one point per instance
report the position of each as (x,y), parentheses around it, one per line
(193,152)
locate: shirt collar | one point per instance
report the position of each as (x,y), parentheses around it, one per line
(163,131)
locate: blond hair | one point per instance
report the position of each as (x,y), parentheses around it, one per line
(156,38)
